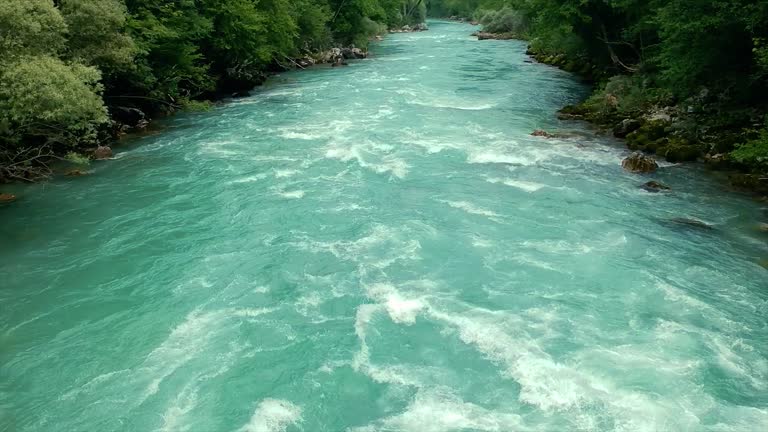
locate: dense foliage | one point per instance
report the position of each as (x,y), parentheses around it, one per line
(65,65)
(707,58)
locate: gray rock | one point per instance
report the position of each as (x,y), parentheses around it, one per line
(654,186)
(639,163)
(102,152)
(626,127)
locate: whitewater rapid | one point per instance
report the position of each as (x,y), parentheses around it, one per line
(383,247)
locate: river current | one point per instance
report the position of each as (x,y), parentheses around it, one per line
(383,247)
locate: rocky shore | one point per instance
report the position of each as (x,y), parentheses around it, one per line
(682,131)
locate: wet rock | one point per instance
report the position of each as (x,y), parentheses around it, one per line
(693,223)
(762,227)
(305,62)
(626,127)
(378,38)
(353,53)
(542,133)
(420,27)
(572,112)
(6,198)
(102,152)
(75,173)
(654,186)
(639,163)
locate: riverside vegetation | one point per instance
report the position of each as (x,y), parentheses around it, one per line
(76,73)
(683,79)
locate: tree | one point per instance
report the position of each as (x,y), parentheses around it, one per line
(98,37)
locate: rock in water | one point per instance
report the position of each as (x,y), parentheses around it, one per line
(693,223)
(6,198)
(75,173)
(102,152)
(542,133)
(626,127)
(639,163)
(762,227)
(654,186)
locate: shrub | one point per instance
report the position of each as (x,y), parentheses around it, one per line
(755,151)
(43,96)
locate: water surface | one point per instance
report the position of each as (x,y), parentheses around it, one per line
(383,247)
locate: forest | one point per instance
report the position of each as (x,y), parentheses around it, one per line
(702,63)
(69,68)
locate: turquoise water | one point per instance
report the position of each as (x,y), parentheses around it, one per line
(383,247)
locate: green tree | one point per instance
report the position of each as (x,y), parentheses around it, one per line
(30,27)
(98,35)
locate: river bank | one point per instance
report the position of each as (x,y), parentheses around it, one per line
(698,129)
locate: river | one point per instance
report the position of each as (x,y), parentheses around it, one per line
(383,247)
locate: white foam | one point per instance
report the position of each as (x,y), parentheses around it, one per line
(470,208)
(295,194)
(249,179)
(526,186)
(251,312)
(301,135)
(559,387)
(363,154)
(441,411)
(401,310)
(491,157)
(273,415)
(285,173)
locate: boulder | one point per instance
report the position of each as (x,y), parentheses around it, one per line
(625,127)
(676,153)
(102,152)
(129,117)
(353,53)
(654,186)
(639,163)
(6,198)
(420,27)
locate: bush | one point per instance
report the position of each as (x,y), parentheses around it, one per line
(626,94)
(43,96)
(505,20)
(754,152)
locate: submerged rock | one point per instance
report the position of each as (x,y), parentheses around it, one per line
(75,173)
(6,198)
(693,223)
(102,152)
(654,186)
(542,133)
(625,127)
(639,163)
(762,227)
